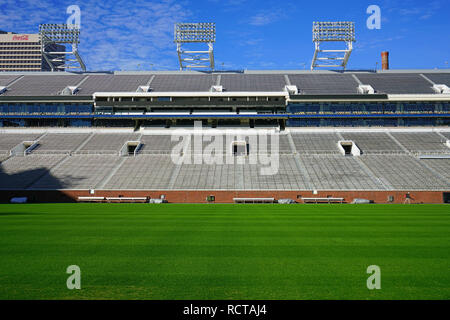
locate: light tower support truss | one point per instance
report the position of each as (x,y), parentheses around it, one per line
(337,32)
(54,36)
(185,33)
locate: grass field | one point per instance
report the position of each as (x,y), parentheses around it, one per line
(141,251)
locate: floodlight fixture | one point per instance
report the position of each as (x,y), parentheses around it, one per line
(195,32)
(185,33)
(55,35)
(336,31)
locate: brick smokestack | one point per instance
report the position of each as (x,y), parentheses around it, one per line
(385,60)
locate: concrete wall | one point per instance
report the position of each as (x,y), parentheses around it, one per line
(221,196)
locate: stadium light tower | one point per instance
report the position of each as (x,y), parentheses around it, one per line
(337,32)
(195,33)
(61,34)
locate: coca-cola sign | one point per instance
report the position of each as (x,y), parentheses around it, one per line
(20,38)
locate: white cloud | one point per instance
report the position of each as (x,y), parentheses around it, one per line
(410,10)
(114,35)
(266,17)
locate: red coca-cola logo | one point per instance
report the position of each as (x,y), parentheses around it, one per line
(21,38)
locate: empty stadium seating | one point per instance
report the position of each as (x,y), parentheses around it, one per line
(390,160)
(143,172)
(163,144)
(125,122)
(21,172)
(112,83)
(9,141)
(289,177)
(253,82)
(106,143)
(78,171)
(316,143)
(400,83)
(59,142)
(373,142)
(156,144)
(6,79)
(404,172)
(440,166)
(422,142)
(323,82)
(241,176)
(335,172)
(174,83)
(38,85)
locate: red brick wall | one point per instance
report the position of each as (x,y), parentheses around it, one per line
(223,196)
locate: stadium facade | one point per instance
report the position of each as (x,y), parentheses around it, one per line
(292,98)
(381,136)
(22,52)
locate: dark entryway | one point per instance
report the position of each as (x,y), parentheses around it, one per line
(446,197)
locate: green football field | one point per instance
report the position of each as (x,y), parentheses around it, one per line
(142,251)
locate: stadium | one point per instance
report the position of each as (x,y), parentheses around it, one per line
(147,180)
(93,137)
(337,135)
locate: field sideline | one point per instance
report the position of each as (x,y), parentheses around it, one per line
(142,251)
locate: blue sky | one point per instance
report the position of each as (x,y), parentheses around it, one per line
(251,34)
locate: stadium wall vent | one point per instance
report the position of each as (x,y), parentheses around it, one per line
(439,88)
(349,148)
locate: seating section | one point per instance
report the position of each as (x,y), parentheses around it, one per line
(288,177)
(283,143)
(335,172)
(112,83)
(324,83)
(78,171)
(42,85)
(143,172)
(241,176)
(6,79)
(441,166)
(59,143)
(439,78)
(189,83)
(257,143)
(21,172)
(253,82)
(316,143)
(9,141)
(310,83)
(396,83)
(163,144)
(156,144)
(424,142)
(199,176)
(107,143)
(373,142)
(404,172)
(92,160)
